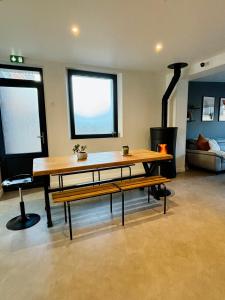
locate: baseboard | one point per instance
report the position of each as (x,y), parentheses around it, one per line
(180,170)
(1,193)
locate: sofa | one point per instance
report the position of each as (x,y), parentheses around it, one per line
(208,160)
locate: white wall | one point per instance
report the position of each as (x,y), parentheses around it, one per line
(177,113)
(141,94)
(180,99)
(139,108)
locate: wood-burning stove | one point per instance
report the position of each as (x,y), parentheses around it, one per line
(167,135)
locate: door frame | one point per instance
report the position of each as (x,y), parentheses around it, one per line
(41,104)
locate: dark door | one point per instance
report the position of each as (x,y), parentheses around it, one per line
(23,134)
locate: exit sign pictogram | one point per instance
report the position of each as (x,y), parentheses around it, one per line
(17,59)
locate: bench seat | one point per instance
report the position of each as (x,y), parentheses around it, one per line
(136,183)
(84,193)
(76,194)
(141,182)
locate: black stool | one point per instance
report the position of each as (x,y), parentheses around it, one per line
(24,220)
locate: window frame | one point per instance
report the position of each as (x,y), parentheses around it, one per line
(23,68)
(70,73)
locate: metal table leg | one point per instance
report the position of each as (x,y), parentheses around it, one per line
(70,222)
(111,203)
(123,208)
(47,206)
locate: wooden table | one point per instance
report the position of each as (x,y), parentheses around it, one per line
(46,166)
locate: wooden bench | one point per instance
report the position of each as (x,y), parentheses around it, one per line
(142,182)
(84,193)
(105,189)
(98,170)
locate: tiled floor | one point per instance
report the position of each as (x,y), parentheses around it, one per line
(177,256)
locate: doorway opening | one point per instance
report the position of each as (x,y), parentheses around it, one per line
(23,132)
(205,121)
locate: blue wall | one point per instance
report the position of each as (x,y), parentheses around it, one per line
(196,91)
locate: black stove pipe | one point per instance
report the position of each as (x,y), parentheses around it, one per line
(177,72)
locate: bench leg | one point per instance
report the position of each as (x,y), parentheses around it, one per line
(61,187)
(47,206)
(111,203)
(129,171)
(65,212)
(59,178)
(121,173)
(93,176)
(122,208)
(164,188)
(148,194)
(70,223)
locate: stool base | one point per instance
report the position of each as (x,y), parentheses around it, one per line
(18,223)
(161,193)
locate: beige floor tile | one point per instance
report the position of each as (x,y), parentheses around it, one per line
(177,256)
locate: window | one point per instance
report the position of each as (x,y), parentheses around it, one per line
(93,104)
(18,73)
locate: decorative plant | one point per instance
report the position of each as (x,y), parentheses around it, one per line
(79,148)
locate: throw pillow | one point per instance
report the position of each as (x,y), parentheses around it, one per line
(202,143)
(214,145)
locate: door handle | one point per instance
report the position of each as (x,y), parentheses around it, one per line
(42,137)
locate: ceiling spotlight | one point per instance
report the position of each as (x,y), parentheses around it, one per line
(75,30)
(158,47)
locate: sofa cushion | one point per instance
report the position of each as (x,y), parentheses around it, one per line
(218,153)
(213,145)
(221,143)
(202,143)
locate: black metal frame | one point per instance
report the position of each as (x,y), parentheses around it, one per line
(61,187)
(97,182)
(220,110)
(164,198)
(69,214)
(203,107)
(177,72)
(70,73)
(123,207)
(42,115)
(113,168)
(149,171)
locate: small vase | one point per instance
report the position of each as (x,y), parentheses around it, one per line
(81,155)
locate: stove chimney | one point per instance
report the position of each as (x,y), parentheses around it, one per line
(177,72)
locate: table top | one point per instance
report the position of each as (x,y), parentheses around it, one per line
(62,164)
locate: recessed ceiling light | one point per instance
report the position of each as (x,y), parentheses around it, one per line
(75,30)
(158,47)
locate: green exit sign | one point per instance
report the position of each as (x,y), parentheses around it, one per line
(17,59)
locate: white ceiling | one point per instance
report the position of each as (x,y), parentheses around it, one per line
(113,33)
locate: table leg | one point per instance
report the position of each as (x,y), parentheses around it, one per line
(150,170)
(123,208)
(47,206)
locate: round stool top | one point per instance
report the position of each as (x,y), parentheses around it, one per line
(18,181)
